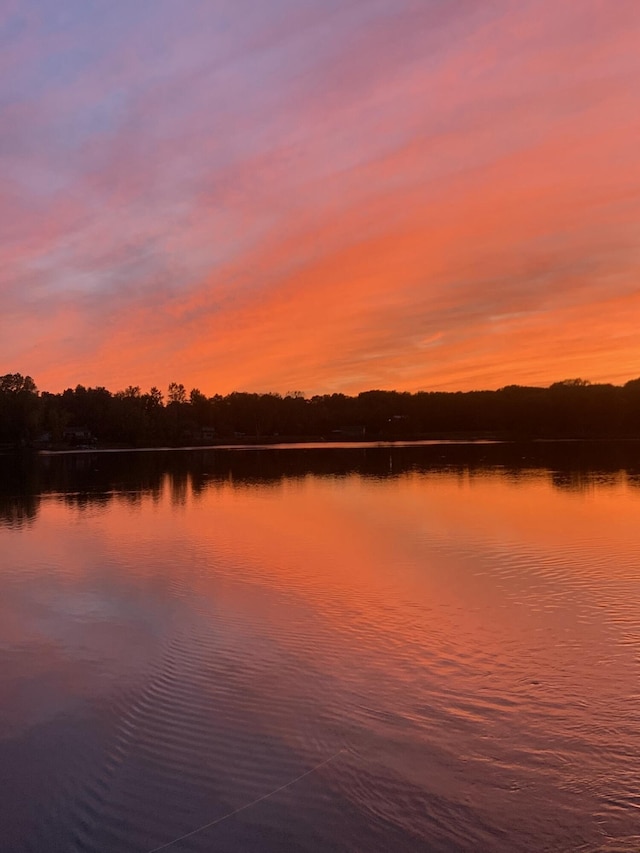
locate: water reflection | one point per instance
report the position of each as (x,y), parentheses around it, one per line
(96,478)
(181,633)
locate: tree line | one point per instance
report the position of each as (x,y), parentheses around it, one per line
(573,408)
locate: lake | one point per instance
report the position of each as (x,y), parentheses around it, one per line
(429,648)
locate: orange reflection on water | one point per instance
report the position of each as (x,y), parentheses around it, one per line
(466,636)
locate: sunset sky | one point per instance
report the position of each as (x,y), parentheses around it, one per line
(319,195)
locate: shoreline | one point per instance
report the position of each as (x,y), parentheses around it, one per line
(321,443)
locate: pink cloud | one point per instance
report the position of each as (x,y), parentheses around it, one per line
(420,201)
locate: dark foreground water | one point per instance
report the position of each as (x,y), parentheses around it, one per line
(446,637)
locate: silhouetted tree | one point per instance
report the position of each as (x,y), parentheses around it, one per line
(176,393)
(571,408)
(19,409)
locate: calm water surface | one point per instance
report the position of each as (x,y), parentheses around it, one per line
(453,632)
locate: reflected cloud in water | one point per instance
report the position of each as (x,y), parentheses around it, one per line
(92,480)
(181,632)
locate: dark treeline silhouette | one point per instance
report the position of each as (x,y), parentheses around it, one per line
(83,416)
(88,480)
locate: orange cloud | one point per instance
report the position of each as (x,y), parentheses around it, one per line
(411,199)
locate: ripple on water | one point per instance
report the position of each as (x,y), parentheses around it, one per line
(483,688)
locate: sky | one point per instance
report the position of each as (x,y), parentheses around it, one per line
(319,195)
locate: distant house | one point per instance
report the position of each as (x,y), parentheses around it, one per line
(200,435)
(355,431)
(78,435)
